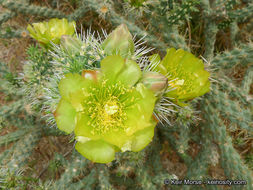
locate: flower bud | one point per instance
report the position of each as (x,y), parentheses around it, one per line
(90,74)
(156,82)
(71,44)
(120,42)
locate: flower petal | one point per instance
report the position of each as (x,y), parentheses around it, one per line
(115,68)
(47,32)
(83,127)
(167,60)
(31,31)
(111,66)
(65,116)
(72,83)
(142,138)
(96,151)
(140,112)
(205,89)
(117,138)
(76,100)
(130,74)
(187,63)
(155,59)
(146,101)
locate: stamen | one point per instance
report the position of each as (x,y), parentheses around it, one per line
(105,106)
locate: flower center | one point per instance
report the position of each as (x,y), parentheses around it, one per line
(109,114)
(180,80)
(177,83)
(106,106)
(111,108)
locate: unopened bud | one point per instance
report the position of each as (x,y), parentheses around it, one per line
(120,42)
(90,74)
(71,44)
(156,82)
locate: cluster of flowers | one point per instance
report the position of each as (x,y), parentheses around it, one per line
(116,105)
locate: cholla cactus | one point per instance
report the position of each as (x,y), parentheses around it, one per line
(46,32)
(108,111)
(138,7)
(107,100)
(225,111)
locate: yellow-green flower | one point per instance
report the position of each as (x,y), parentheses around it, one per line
(108,110)
(44,32)
(186,75)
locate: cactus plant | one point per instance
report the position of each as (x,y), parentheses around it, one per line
(199,137)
